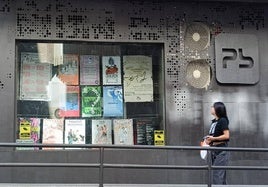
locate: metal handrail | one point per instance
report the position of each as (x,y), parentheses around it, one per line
(102,165)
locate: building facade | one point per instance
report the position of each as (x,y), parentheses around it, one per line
(198,52)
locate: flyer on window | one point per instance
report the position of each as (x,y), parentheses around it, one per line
(91,101)
(89,70)
(68,71)
(138,82)
(123,131)
(72,102)
(29,129)
(75,131)
(52,132)
(112,101)
(102,131)
(144,128)
(34,77)
(111,70)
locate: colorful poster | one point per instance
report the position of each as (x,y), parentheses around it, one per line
(75,131)
(144,128)
(91,101)
(52,132)
(101,132)
(89,70)
(68,71)
(29,129)
(34,77)
(112,101)
(123,131)
(72,102)
(24,128)
(138,82)
(111,70)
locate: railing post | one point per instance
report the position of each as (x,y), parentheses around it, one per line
(209,161)
(101,167)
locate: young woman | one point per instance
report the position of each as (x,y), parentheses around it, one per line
(219,137)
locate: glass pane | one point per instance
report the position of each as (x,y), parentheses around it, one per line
(84,92)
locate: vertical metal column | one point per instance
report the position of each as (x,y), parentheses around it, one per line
(101,167)
(209,161)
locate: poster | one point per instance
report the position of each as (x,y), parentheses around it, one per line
(72,102)
(101,132)
(52,132)
(145,128)
(75,131)
(29,131)
(68,71)
(34,77)
(111,70)
(112,101)
(91,101)
(138,82)
(123,131)
(89,70)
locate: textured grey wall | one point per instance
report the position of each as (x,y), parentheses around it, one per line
(187,100)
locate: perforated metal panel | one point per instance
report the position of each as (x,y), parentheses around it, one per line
(5,6)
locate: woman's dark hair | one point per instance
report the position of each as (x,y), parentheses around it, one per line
(220,109)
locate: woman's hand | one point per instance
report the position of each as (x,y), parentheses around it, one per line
(224,137)
(209,139)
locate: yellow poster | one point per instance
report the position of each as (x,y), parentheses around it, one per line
(25,129)
(159,137)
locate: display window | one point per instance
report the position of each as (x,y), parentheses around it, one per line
(89,93)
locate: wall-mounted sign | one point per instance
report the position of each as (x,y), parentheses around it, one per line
(159,137)
(237,60)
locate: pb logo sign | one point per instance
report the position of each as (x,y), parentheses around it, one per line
(237,59)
